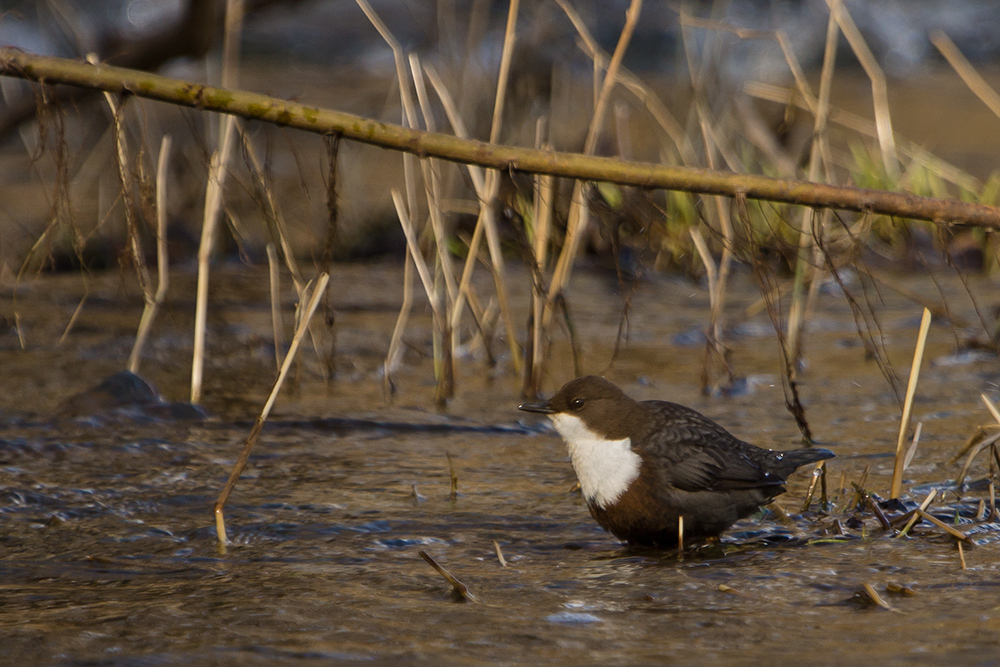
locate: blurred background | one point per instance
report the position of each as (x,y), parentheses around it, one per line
(326,53)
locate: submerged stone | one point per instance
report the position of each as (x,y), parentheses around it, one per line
(126,395)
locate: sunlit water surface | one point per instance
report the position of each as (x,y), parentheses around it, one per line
(108,553)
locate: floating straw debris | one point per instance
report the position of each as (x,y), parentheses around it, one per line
(868,591)
(496,547)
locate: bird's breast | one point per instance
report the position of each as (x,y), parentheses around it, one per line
(605,468)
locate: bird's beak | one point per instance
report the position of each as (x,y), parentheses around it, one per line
(540,408)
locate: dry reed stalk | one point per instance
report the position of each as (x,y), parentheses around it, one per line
(151,299)
(241,462)
(493,189)
(442,335)
(923,506)
(911,389)
(911,451)
(914,152)
(217,171)
(680,537)
(461,589)
(153,303)
(478,178)
(633,84)
(486,186)
(961,555)
(453,494)
(579,212)
(859,487)
(272,213)
(541,231)
(875,597)
(805,265)
(444,372)
(395,353)
(974,450)
(972,78)
(880,92)
(811,491)
(951,530)
(989,406)
(432,189)
(274,281)
(445,337)
(72,319)
(715,348)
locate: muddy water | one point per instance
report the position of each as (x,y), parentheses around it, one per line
(108,555)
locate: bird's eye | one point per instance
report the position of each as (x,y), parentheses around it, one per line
(576,403)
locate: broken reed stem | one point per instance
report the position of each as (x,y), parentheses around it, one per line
(217,171)
(923,506)
(444,371)
(126,179)
(911,389)
(805,261)
(395,351)
(274,280)
(811,491)
(493,189)
(241,462)
(976,83)
(715,348)
(673,129)
(951,530)
(875,597)
(453,494)
(877,511)
(961,555)
(911,451)
(880,91)
(461,589)
(153,304)
(680,537)
(989,406)
(69,324)
(273,214)
(478,178)
(859,487)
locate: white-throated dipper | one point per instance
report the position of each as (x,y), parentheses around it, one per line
(644,464)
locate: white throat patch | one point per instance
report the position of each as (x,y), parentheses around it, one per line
(605,468)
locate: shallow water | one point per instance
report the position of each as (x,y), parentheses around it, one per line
(108,553)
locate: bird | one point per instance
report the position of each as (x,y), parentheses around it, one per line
(642,465)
